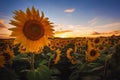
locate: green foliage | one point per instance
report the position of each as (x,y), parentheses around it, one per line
(41,73)
(83,70)
(7,74)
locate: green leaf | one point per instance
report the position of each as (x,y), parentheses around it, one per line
(103,57)
(49,54)
(97,68)
(41,73)
(45,72)
(53,56)
(74,76)
(31,75)
(21,57)
(55,71)
(43,62)
(92,65)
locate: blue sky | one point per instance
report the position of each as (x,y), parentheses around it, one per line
(72,17)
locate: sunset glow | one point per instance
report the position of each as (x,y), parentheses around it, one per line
(81,18)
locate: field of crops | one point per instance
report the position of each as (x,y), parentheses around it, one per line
(63,59)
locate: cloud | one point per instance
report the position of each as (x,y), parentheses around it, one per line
(2,24)
(70,10)
(112,25)
(71,30)
(87,30)
(117,32)
(95,33)
(62,32)
(108,27)
(4,36)
(4,32)
(93,21)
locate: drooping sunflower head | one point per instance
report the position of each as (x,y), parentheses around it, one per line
(68,53)
(2,61)
(58,55)
(32,30)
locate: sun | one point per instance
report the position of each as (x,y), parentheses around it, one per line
(32,30)
(63,35)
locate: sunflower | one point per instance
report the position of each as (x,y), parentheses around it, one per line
(57,42)
(91,44)
(68,41)
(57,56)
(64,42)
(71,58)
(101,48)
(77,44)
(96,40)
(62,46)
(32,30)
(2,61)
(73,61)
(92,55)
(106,41)
(51,45)
(69,53)
(9,53)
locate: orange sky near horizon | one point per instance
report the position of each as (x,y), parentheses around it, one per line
(71,30)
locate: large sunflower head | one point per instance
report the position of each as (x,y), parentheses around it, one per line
(32,30)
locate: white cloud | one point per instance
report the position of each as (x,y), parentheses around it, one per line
(108,27)
(115,24)
(70,10)
(93,21)
(4,32)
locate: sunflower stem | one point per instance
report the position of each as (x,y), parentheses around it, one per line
(32,62)
(105,70)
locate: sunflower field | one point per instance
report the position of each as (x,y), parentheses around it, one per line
(33,53)
(80,58)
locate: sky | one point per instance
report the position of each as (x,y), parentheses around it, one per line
(71,18)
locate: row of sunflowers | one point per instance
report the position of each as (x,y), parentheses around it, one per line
(64,59)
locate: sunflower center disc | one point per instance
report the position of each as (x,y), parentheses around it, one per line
(93,52)
(33,30)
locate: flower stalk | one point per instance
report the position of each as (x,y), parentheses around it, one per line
(32,62)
